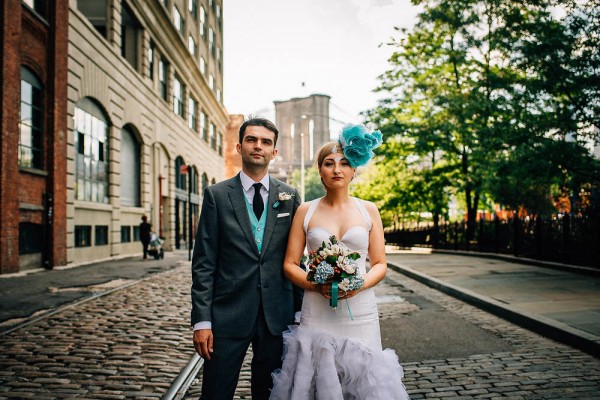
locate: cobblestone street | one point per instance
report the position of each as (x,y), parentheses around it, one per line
(131,344)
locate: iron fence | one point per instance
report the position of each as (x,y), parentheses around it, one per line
(561,238)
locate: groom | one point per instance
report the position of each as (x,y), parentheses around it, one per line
(239,293)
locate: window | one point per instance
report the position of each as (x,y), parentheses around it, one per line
(211,41)
(203,22)
(204,182)
(136,233)
(130,168)
(177,97)
(151,60)
(100,235)
(193,8)
(203,127)
(162,77)
(202,66)
(91,152)
(83,236)
(39,6)
(180,179)
(194,180)
(219,19)
(211,82)
(219,62)
(95,11)
(220,143)
(31,237)
(125,234)
(219,95)
(178,21)
(213,139)
(192,114)
(192,46)
(130,36)
(31,139)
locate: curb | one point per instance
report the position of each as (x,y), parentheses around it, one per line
(549,328)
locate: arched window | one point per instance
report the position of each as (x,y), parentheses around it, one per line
(31,124)
(180,178)
(130,168)
(91,152)
(194,180)
(204,182)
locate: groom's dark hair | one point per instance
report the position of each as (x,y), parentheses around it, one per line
(258,121)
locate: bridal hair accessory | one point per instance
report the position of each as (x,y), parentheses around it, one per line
(282,196)
(358,143)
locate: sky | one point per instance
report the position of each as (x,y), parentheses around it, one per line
(280,49)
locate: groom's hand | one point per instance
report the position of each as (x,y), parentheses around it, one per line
(203,342)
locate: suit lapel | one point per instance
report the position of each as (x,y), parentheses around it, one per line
(271,213)
(238,202)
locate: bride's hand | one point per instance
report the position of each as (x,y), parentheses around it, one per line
(343,295)
(325,290)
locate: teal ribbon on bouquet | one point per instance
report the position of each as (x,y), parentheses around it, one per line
(334,294)
(333,302)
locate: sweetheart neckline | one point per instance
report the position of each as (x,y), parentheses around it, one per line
(345,233)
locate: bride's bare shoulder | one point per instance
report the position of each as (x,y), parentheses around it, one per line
(302,209)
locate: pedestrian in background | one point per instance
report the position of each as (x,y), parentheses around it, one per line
(239,293)
(145,229)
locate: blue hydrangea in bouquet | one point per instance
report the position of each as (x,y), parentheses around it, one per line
(334,263)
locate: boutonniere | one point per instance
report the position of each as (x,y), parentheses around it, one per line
(282,196)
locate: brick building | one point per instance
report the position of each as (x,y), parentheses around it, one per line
(135,100)
(34,134)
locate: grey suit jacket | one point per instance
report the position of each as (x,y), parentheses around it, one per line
(231,279)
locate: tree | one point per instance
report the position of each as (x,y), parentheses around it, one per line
(474,88)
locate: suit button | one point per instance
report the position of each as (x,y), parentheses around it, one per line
(258,286)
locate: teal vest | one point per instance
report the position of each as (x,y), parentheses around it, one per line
(258,227)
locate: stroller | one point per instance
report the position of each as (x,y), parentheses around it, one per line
(155,246)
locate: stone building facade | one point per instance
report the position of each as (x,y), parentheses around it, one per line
(142,122)
(303,124)
(145,83)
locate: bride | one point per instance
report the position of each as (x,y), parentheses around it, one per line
(336,353)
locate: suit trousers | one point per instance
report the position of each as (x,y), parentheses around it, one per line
(221,373)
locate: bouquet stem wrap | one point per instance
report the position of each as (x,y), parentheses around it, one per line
(334,294)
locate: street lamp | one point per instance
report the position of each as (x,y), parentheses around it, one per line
(302,166)
(302,189)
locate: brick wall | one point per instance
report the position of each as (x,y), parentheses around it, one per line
(41,46)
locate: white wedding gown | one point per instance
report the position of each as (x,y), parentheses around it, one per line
(337,353)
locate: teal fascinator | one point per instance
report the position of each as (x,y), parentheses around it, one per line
(358,143)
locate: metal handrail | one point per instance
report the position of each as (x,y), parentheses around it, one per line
(183,381)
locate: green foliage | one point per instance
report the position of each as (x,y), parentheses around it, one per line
(480,99)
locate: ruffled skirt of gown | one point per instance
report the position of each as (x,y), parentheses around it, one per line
(319,365)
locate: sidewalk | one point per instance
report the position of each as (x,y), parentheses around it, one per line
(561,305)
(25,296)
